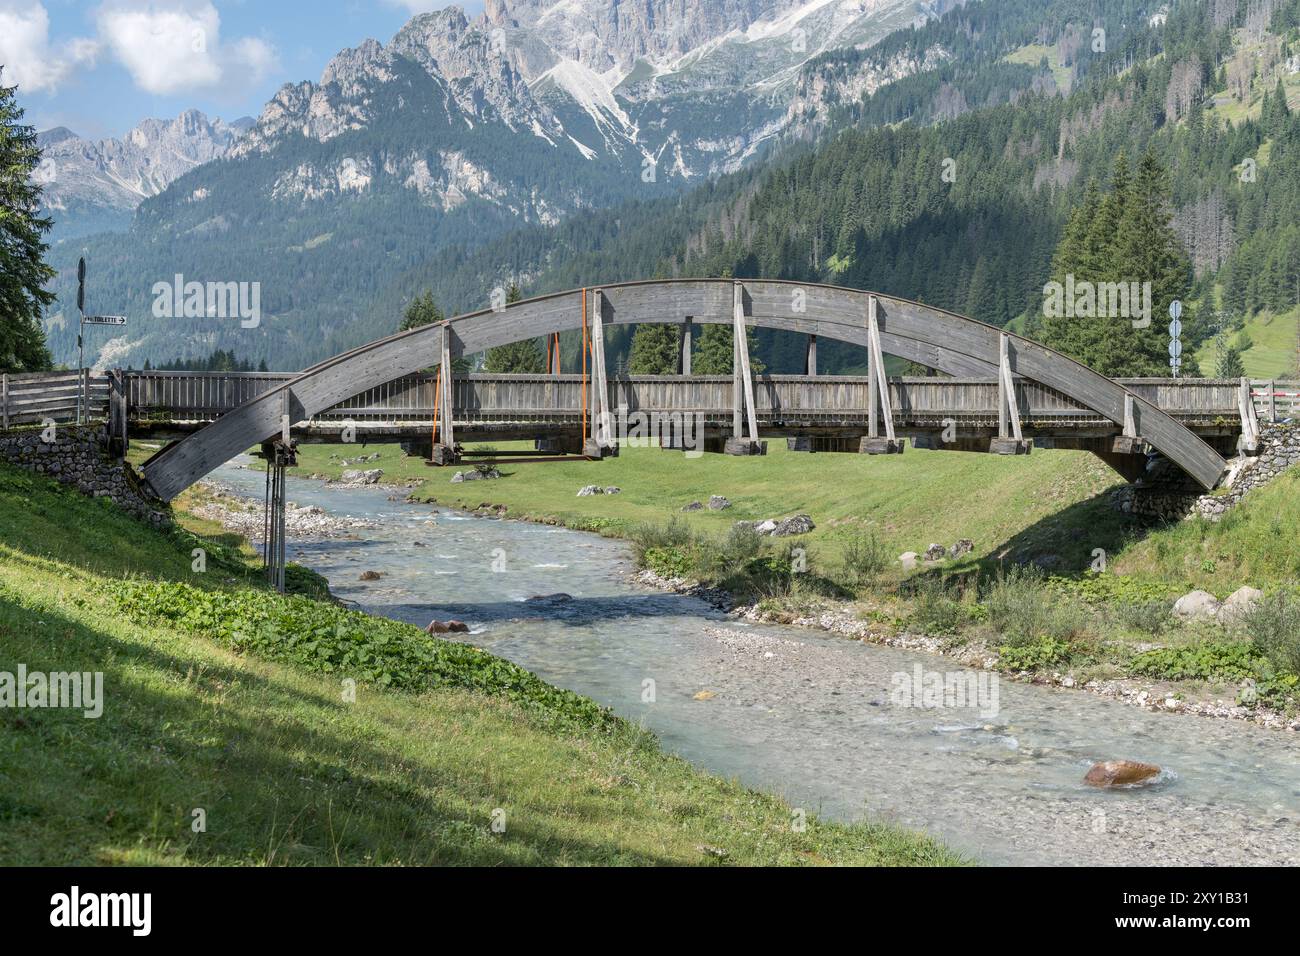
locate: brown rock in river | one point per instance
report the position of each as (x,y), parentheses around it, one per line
(1120,773)
(371,576)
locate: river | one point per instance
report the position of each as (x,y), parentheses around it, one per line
(811,716)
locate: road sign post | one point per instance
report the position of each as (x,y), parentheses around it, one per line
(1175,336)
(116,321)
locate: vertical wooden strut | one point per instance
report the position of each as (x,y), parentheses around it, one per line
(1011,439)
(810,363)
(1249,418)
(584,362)
(880,405)
(684,357)
(445,399)
(601,426)
(744,413)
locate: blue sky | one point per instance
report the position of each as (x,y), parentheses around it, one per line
(98,67)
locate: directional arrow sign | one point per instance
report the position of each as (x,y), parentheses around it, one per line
(106,320)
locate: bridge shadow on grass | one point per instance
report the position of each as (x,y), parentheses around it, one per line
(286,774)
(1066,542)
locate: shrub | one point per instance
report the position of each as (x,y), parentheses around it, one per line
(937,607)
(1023,609)
(1274,629)
(1221,662)
(1149,617)
(1043,653)
(864,559)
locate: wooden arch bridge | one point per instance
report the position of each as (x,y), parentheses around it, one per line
(1004,394)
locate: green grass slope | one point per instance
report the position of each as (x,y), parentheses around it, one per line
(223,698)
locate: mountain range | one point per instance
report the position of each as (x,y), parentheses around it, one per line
(454,132)
(96,185)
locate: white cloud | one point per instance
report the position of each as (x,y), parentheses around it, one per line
(28,58)
(171,46)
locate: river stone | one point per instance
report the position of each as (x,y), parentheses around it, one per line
(799,524)
(1196,605)
(362,477)
(1239,604)
(448,627)
(371,576)
(1120,773)
(719,503)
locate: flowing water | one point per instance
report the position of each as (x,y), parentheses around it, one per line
(811,716)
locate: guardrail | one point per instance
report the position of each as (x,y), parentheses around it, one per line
(34,398)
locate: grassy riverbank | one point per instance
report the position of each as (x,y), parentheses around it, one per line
(222,698)
(1049,513)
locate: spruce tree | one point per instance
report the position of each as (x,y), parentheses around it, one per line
(517,358)
(655,350)
(23,271)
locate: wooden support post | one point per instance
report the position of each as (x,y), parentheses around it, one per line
(1249,420)
(1130,443)
(600,441)
(879,404)
(1272,401)
(744,440)
(553,354)
(446,432)
(4,399)
(1010,440)
(810,364)
(117,414)
(684,357)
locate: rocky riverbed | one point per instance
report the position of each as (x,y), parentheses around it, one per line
(839,619)
(244,516)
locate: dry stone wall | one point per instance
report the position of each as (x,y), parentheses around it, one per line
(77,457)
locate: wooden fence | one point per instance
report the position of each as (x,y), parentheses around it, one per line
(32,399)
(1276,401)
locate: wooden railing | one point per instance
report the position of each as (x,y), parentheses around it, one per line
(34,398)
(183,396)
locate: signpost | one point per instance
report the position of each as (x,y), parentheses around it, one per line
(118,321)
(1175,336)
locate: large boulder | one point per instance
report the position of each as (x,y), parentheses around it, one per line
(1197,605)
(788,528)
(719,503)
(909,559)
(362,477)
(1239,604)
(936,552)
(591,491)
(1120,773)
(961,548)
(447,627)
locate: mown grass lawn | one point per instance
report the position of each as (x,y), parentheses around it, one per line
(249,724)
(1051,503)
